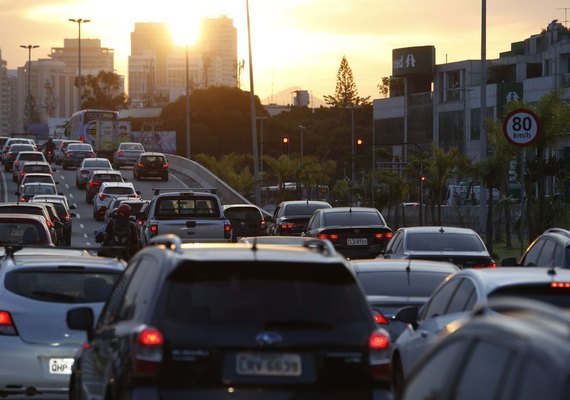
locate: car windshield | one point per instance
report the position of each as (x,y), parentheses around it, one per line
(302,209)
(436,241)
(278,296)
(62,286)
(90,163)
(353,218)
(400,283)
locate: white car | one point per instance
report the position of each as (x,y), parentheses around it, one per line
(107,192)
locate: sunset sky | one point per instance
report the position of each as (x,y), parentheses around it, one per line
(294,42)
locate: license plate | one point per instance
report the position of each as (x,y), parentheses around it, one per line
(268,364)
(357,242)
(60,366)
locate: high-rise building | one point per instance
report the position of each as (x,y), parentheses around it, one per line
(157,68)
(94,58)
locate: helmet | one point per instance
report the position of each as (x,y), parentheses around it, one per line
(50,138)
(124,211)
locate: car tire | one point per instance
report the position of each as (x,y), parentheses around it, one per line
(397,378)
(165,178)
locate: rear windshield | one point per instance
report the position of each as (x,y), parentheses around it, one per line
(62,286)
(153,159)
(180,207)
(558,296)
(18,232)
(302,209)
(108,178)
(119,190)
(37,168)
(79,147)
(21,147)
(416,284)
(39,189)
(97,164)
(444,242)
(278,296)
(31,156)
(132,146)
(45,179)
(244,214)
(352,219)
(21,210)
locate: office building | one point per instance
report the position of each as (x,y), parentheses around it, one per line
(94,58)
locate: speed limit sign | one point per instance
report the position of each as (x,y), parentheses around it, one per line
(521,127)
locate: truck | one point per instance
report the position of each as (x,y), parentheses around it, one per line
(195,215)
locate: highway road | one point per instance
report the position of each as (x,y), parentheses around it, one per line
(84,225)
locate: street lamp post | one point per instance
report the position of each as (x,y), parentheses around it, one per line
(79,21)
(28,103)
(302,128)
(261,143)
(252,112)
(188,148)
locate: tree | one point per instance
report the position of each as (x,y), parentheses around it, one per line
(346,94)
(391,86)
(103,91)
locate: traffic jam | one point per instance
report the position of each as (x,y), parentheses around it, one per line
(121,278)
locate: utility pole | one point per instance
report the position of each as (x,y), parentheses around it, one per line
(28,105)
(79,21)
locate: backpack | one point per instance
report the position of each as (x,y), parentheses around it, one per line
(121,233)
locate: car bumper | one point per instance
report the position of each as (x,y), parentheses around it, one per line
(354,253)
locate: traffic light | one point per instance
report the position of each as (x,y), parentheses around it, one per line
(285,144)
(359,145)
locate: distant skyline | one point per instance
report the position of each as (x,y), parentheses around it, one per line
(295,43)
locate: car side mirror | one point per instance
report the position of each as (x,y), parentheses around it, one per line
(61,194)
(57,182)
(73,215)
(73,206)
(409,315)
(509,262)
(138,192)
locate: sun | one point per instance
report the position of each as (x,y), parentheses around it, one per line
(184,29)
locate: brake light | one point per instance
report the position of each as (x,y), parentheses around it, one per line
(153,229)
(380,318)
(7,326)
(379,355)
(227,230)
(92,155)
(147,352)
(68,154)
(134,196)
(91,184)
(121,153)
(263,224)
(49,224)
(140,165)
(165,165)
(16,164)
(82,138)
(22,173)
(329,236)
(11,155)
(102,196)
(287,225)
(84,171)
(560,285)
(23,199)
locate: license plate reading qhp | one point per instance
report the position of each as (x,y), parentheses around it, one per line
(60,366)
(268,364)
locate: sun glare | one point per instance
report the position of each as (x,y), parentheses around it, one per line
(185,30)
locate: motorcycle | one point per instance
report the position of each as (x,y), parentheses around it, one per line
(50,158)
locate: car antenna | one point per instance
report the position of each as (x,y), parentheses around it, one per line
(551,271)
(441,230)
(409,270)
(254,246)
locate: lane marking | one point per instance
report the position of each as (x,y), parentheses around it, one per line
(179,181)
(85,235)
(82,226)
(5,188)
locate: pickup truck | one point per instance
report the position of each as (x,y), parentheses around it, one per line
(194,216)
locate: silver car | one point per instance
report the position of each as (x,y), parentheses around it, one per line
(37,288)
(127,154)
(87,165)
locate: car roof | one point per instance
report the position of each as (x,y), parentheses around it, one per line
(120,184)
(287,202)
(334,210)
(20,216)
(226,206)
(105,171)
(34,162)
(380,264)
(152,153)
(62,259)
(38,174)
(492,278)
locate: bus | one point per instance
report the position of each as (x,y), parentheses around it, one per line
(99,128)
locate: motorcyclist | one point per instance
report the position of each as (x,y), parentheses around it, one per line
(121,232)
(49,149)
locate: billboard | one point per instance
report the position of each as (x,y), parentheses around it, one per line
(413,61)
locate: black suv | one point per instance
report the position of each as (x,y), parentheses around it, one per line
(151,164)
(551,249)
(246,321)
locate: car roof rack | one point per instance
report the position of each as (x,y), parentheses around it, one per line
(157,191)
(169,240)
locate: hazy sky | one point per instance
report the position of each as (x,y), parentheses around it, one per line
(294,42)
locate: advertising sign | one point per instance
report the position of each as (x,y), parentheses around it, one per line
(413,61)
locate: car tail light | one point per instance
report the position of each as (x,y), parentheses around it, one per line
(66,218)
(84,171)
(379,355)
(16,164)
(49,224)
(121,153)
(491,264)
(330,236)
(23,199)
(103,196)
(134,196)
(11,155)
(82,138)
(7,326)
(22,173)
(560,285)
(380,318)
(140,221)
(92,155)
(91,184)
(147,351)
(165,165)
(287,225)
(153,229)
(263,224)
(140,165)
(227,230)
(68,155)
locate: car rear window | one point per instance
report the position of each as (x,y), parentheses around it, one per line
(248,214)
(79,147)
(119,190)
(13,231)
(302,209)
(353,218)
(39,189)
(44,179)
(399,283)
(31,156)
(153,159)
(444,242)
(551,292)
(180,207)
(62,285)
(133,146)
(108,178)
(37,168)
(278,296)
(21,147)
(23,209)
(103,164)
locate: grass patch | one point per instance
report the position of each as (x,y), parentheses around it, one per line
(501,251)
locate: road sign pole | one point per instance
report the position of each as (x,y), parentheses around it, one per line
(523,199)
